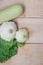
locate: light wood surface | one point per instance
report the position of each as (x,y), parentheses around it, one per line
(31,53)
(35,28)
(33,8)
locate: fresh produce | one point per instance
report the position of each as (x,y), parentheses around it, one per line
(10,38)
(8,49)
(8,30)
(10,13)
(9,42)
(21,35)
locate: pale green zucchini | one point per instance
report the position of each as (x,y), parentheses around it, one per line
(10,13)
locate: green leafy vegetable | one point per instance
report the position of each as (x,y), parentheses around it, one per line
(8,49)
(19,44)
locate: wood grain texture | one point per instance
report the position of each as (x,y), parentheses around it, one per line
(35,28)
(31,53)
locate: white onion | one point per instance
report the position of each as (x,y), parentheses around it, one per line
(8,30)
(21,35)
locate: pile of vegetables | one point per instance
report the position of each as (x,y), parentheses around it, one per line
(10,37)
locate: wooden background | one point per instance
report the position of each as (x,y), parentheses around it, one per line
(33,8)
(32,19)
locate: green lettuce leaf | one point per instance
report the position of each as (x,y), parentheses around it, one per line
(8,49)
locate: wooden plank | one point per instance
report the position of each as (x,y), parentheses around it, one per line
(30,54)
(35,28)
(33,8)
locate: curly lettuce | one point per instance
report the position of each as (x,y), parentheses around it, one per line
(8,49)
